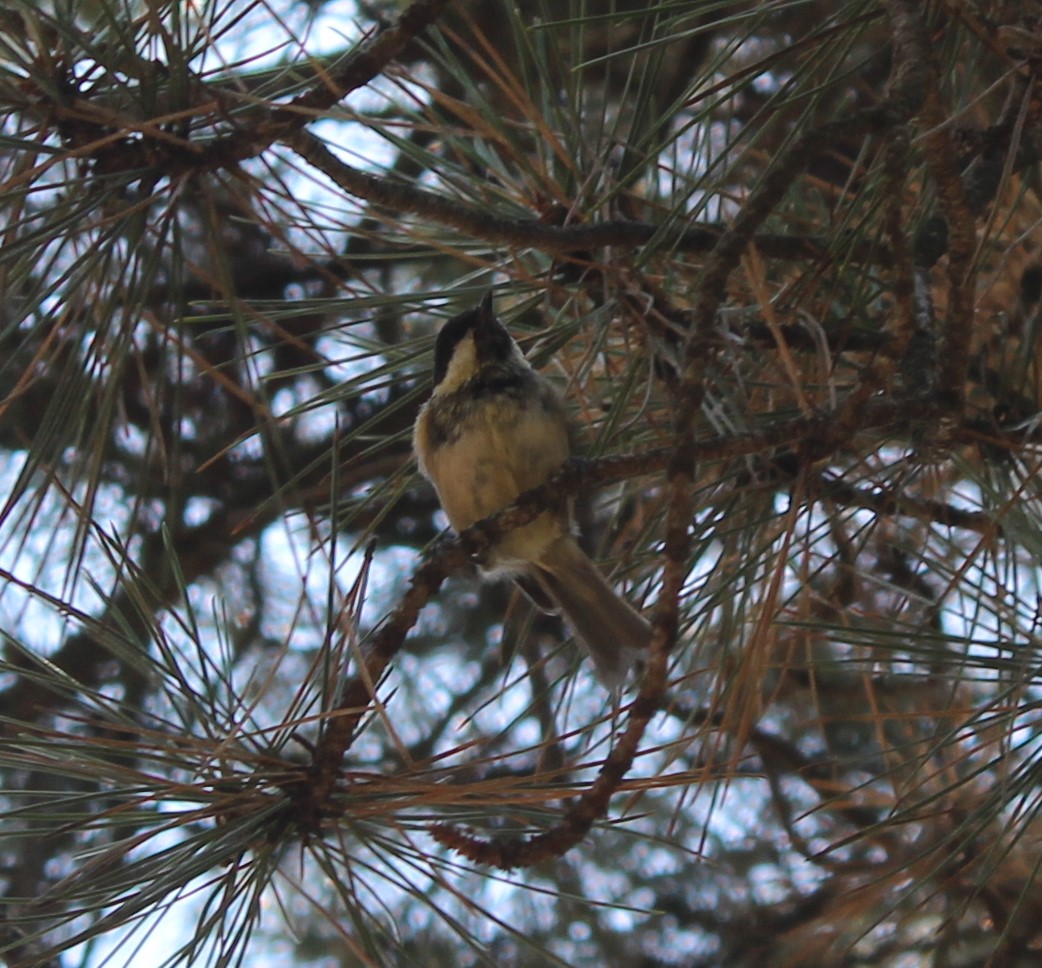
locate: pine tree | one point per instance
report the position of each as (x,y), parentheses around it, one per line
(780,258)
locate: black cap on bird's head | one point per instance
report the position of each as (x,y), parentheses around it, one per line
(491,340)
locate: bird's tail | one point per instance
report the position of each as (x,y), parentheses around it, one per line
(612,631)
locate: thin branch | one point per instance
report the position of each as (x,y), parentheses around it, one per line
(912,55)
(559,240)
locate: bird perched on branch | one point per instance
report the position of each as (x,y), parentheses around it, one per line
(492,429)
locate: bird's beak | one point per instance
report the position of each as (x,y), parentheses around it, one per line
(486,314)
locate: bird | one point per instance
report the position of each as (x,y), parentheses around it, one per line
(493,428)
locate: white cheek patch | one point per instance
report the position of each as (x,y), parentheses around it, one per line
(462,366)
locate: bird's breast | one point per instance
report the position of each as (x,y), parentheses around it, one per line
(482,450)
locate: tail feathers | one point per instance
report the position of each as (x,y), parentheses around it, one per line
(612,631)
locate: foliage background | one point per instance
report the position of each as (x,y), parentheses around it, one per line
(782,258)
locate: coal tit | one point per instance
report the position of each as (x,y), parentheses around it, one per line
(494,428)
